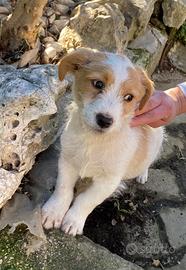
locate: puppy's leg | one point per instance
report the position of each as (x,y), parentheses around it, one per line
(142,179)
(83,205)
(56,207)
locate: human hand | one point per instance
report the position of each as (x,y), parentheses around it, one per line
(160,110)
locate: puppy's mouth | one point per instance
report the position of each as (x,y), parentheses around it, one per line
(95,129)
(100,130)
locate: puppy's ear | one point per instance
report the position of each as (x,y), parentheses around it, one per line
(148,86)
(73,61)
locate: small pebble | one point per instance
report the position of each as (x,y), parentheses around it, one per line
(60,9)
(113,222)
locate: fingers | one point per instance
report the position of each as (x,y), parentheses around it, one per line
(153,102)
(158,124)
(150,117)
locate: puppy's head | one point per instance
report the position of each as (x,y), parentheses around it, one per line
(107,87)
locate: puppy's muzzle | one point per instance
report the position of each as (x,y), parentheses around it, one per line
(103,121)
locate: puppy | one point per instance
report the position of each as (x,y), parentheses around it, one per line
(98,141)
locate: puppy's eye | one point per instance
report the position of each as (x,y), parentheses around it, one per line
(128,97)
(98,84)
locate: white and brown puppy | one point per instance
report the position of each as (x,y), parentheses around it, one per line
(98,141)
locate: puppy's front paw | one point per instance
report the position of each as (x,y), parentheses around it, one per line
(142,179)
(73,223)
(53,213)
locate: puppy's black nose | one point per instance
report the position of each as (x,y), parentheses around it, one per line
(103,121)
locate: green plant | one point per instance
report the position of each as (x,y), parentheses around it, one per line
(181,34)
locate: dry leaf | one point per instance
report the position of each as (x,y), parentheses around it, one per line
(113,222)
(29,57)
(156,263)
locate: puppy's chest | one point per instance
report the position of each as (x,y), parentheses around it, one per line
(96,157)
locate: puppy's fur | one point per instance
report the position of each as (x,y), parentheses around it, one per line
(105,150)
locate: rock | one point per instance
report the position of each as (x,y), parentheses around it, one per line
(162,182)
(49,54)
(52,18)
(42,32)
(146,50)
(137,15)
(177,56)
(174,218)
(4,3)
(60,252)
(57,46)
(58,25)
(29,121)
(4,10)
(48,40)
(51,51)
(68,3)
(2,17)
(97,25)
(174,12)
(49,11)
(60,9)
(44,21)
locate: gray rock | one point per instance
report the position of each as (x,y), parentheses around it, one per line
(6,3)
(137,15)
(177,56)
(29,120)
(146,50)
(174,12)
(95,24)
(163,182)
(174,220)
(59,252)
(106,25)
(150,245)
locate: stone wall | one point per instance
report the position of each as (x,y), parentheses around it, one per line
(140,28)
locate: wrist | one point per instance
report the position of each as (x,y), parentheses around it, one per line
(179,99)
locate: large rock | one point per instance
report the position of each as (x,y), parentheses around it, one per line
(177,56)
(137,15)
(174,12)
(59,252)
(106,25)
(173,219)
(146,50)
(29,121)
(95,24)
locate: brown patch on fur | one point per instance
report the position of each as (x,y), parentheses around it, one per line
(139,85)
(148,86)
(76,59)
(83,87)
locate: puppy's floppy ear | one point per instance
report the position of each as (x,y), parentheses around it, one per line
(147,84)
(73,61)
